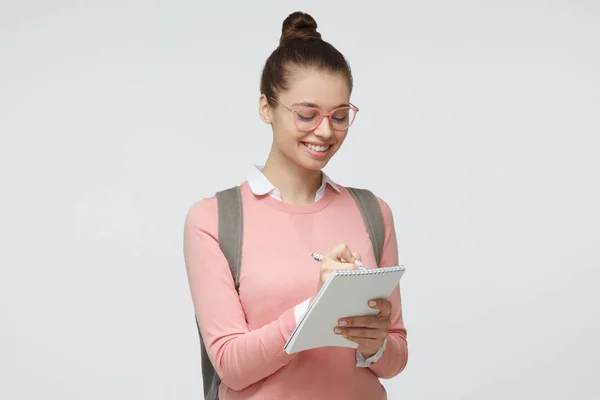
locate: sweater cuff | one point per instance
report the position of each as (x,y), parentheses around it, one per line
(283,330)
(363,362)
(393,359)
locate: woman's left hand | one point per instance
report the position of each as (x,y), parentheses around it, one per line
(369,331)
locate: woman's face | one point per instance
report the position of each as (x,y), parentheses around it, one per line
(317,88)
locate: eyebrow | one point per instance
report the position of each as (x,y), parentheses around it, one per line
(309,104)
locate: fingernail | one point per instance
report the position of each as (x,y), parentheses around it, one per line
(358,263)
(372,303)
(338,330)
(343,323)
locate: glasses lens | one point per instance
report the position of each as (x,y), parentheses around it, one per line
(307,118)
(342,118)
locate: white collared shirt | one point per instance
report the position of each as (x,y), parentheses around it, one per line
(260,185)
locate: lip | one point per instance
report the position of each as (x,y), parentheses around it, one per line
(317,154)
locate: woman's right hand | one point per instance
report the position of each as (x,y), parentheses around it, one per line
(340,257)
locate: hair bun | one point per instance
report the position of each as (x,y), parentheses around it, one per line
(299,25)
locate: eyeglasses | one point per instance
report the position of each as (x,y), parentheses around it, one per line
(307,118)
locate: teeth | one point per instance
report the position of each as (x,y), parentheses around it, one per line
(316,148)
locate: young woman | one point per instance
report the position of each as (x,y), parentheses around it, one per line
(292,209)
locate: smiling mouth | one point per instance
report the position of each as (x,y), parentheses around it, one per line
(316,148)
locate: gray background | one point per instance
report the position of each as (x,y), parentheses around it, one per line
(479,125)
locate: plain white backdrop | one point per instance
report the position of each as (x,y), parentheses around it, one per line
(479,125)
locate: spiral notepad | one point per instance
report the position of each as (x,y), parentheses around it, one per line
(345,294)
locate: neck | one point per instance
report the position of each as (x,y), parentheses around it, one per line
(297,185)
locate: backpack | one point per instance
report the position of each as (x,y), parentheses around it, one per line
(230,236)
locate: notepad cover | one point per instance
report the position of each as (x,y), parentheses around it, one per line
(345,294)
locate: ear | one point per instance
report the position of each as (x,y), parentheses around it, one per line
(264,110)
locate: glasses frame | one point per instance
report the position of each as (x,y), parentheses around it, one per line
(323,115)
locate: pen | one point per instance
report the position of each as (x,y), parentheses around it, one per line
(319,257)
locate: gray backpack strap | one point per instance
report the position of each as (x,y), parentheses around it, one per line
(231,228)
(210,379)
(373,217)
(230,241)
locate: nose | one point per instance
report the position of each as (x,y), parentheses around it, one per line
(324,129)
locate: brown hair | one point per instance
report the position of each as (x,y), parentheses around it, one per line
(300,46)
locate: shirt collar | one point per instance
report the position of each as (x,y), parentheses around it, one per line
(260,185)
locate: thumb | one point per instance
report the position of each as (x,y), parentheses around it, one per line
(357,260)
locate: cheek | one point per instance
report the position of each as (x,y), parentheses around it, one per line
(340,137)
(287,139)
(284,127)
(285,132)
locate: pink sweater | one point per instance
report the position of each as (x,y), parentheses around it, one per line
(245,334)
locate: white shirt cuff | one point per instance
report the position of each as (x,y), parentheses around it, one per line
(300,309)
(363,362)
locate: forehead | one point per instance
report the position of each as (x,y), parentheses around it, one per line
(324,88)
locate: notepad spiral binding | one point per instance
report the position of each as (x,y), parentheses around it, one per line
(373,271)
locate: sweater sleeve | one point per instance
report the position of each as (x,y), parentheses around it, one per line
(241,357)
(395,356)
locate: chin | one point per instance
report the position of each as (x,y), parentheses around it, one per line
(313,165)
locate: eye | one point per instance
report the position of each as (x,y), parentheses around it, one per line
(306,114)
(340,116)
(305,117)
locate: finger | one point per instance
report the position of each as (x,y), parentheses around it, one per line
(383,305)
(374,322)
(364,333)
(340,252)
(333,265)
